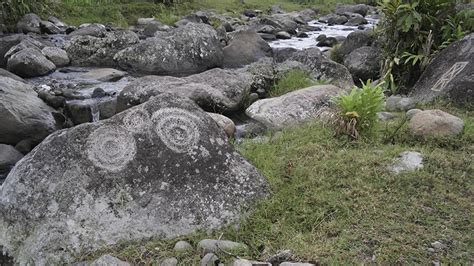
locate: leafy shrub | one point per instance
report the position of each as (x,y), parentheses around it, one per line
(335,54)
(358,109)
(413,32)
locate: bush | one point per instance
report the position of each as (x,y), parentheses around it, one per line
(413,32)
(358,109)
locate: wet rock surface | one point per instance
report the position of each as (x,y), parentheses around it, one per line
(160,169)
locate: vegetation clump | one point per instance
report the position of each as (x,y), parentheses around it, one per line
(358,109)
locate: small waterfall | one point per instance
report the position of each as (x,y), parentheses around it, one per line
(95,111)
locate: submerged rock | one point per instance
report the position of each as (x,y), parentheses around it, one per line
(161,169)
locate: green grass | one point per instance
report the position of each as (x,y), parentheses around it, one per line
(124,13)
(334,201)
(291,81)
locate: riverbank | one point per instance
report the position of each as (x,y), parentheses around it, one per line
(126,13)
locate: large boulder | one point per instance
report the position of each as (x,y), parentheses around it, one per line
(6,43)
(189,49)
(292,108)
(24,115)
(87,50)
(364,63)
(30,62)
(162,169)
(354,40)
(323,68)
(449,76)
(214,90)
(29,23)
(245,48)
(435,123)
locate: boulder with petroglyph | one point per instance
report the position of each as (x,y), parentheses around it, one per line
(161,169)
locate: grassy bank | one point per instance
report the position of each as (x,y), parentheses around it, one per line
(125,13)
(334,201)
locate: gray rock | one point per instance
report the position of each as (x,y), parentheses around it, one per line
(267,36)
(412,112)
(152,171)
(283,35)
(182,246)
(81,112)
(215,246)
(364,63)
(385,116)
(437,245)
(30,62)
(281,22)
(190,49)
(281,256)
(225,123)
(8,74)
(282,54)
(87,50)
(214,90)
(355,40)
(9,156)
(396,103)
(244,262)
(24,115)
(356,21)
(337,20)
(209,259)
(169,262)
(29,23)
(292,108)
(104,74)
(49,28)
(57,22)
(245,47)
(95,30)
(324,41)
(435,123)
(109,260)
(323,68)
(56,55)
(6,43)
(152,28)
(449,76)
(407,161)
(107,107)
(361,9)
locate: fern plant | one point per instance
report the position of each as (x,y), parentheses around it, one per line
(358,109)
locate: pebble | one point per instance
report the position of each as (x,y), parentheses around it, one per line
(182,246)
(210,259)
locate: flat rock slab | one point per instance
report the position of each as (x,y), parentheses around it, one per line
(161,169)
(292,108)
(450,75)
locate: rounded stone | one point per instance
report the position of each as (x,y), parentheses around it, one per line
(182,246)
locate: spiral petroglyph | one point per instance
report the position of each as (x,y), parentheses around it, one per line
(111,148)
(137,120)
(177,128)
